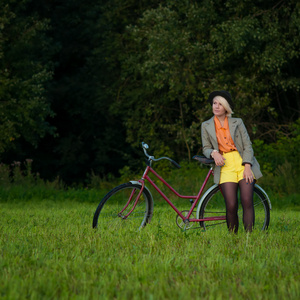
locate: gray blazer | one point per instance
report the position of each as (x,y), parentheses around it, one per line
(240,138)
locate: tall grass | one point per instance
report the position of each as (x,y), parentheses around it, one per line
(282,187)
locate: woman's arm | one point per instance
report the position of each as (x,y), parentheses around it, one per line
(248,154)
(207,146)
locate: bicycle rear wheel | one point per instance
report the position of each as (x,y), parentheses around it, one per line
(122,207)
(213,205)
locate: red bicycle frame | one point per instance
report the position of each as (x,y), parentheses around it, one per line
(184,218)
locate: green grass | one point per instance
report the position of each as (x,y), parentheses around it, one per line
(48,250)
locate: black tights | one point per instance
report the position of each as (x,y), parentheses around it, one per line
(229,191)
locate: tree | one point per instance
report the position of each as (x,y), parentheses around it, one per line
(86,82)
(125,71)
(25,71)
(178,53)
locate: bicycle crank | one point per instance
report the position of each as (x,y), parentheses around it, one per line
(184,224)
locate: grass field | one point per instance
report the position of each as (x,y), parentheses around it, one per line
(48,250)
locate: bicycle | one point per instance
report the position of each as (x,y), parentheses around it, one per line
(132,202)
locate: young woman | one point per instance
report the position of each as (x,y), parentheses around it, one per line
(226,140)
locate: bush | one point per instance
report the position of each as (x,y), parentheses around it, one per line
(273,155)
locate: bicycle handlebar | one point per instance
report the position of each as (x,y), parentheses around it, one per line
(145,147)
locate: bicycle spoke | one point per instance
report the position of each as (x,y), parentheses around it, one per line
(214,205)
(119,208)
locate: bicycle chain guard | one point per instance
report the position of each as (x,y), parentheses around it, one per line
(184,225)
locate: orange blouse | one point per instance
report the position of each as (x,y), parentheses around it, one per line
(225,141)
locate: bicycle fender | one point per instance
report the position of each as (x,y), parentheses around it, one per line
(265,194)
(215,185)
(151,198)
(203,197)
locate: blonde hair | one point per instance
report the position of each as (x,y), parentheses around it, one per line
(225,104)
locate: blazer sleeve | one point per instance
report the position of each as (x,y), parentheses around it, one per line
(247,153)
(207,146)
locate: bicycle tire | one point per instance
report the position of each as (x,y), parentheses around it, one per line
(109,214)
(214,205)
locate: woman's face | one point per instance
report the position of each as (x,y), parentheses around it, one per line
(218,109)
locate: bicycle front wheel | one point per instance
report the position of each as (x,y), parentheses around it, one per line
(125,205)
(214,206)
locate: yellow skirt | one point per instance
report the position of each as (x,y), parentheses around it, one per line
(233,170)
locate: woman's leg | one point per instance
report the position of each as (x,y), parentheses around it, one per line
(229,191)
(246,190)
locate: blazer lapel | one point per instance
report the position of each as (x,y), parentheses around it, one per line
(232,123)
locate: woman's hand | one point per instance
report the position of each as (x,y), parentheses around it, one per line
(248,175)
(219,159)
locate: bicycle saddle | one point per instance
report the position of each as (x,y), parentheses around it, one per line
(204,160)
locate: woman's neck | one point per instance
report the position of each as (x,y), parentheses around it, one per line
(221,119)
